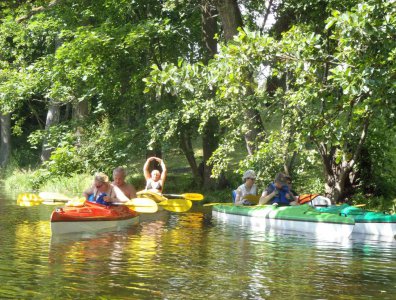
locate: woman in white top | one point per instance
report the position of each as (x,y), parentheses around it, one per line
(101,191)
(155,180)
(248,188)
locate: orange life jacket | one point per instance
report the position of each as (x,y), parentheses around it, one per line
(306,198)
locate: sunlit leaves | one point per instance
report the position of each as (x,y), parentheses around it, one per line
(336,79)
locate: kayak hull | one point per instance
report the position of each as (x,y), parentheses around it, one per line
(91,217)
(375,228)
(292,218)
(366,222)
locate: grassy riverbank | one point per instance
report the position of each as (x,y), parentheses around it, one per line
(179,179)
(17,180)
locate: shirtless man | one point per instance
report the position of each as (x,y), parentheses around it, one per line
(119,175)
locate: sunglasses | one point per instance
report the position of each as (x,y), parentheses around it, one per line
(98,186)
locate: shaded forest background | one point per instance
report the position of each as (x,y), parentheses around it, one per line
(299,86)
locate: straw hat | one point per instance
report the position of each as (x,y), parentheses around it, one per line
(249,174)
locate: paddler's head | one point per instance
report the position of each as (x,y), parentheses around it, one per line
(280,180)
(119,175)
(249,177)
(155,175)
(101,181)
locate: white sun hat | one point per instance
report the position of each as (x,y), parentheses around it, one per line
(249,174)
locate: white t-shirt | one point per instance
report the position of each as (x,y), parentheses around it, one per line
(242,191)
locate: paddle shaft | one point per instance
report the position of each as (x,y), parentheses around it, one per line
(187,196)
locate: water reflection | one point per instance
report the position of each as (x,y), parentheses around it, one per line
(185,256)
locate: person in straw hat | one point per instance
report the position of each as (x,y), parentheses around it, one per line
(247,188)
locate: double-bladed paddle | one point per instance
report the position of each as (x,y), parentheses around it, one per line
(162,197)
(176,205)
(186,196)
(142,205)
(218,203)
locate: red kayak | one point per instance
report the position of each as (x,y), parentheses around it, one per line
(91,217)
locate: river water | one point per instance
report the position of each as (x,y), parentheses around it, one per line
(185,256)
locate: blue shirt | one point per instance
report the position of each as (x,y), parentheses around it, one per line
(281,197)
(99,199)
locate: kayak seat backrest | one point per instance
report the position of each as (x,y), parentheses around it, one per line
(320,201)
(233,194)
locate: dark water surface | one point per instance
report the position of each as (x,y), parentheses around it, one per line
(185,256)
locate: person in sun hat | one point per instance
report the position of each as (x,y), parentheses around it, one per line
(247,188)
(277,193)
(101,191)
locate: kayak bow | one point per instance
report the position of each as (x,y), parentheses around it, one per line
(91,217)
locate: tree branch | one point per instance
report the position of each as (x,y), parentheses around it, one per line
(362,139)
(268,11)
(36,10)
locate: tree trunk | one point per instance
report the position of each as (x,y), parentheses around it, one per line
(255,127)
(209,30)
(5,136)
(338,186)
(210,140)
(209,145)
(81,111)
(340,176)
(231,17)
(52,119)
(231,20)
(187,148)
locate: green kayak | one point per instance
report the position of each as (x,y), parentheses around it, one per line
(302,218)
(366,222)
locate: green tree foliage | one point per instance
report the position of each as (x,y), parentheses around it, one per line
(339,81)
(322,79)
(95,51)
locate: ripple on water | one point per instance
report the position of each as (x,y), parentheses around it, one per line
(186,256)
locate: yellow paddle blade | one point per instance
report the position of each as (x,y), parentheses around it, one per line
(176,205)
(29,199)
(151,195)
(76,202)
(254,199)
(187,196)
(142,205)
(54,196)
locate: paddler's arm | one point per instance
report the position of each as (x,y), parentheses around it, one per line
(164,172)
(266,197)
(88,192)
(111,195)
(132,191)
(146,170)
(238,198)
(293,200)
